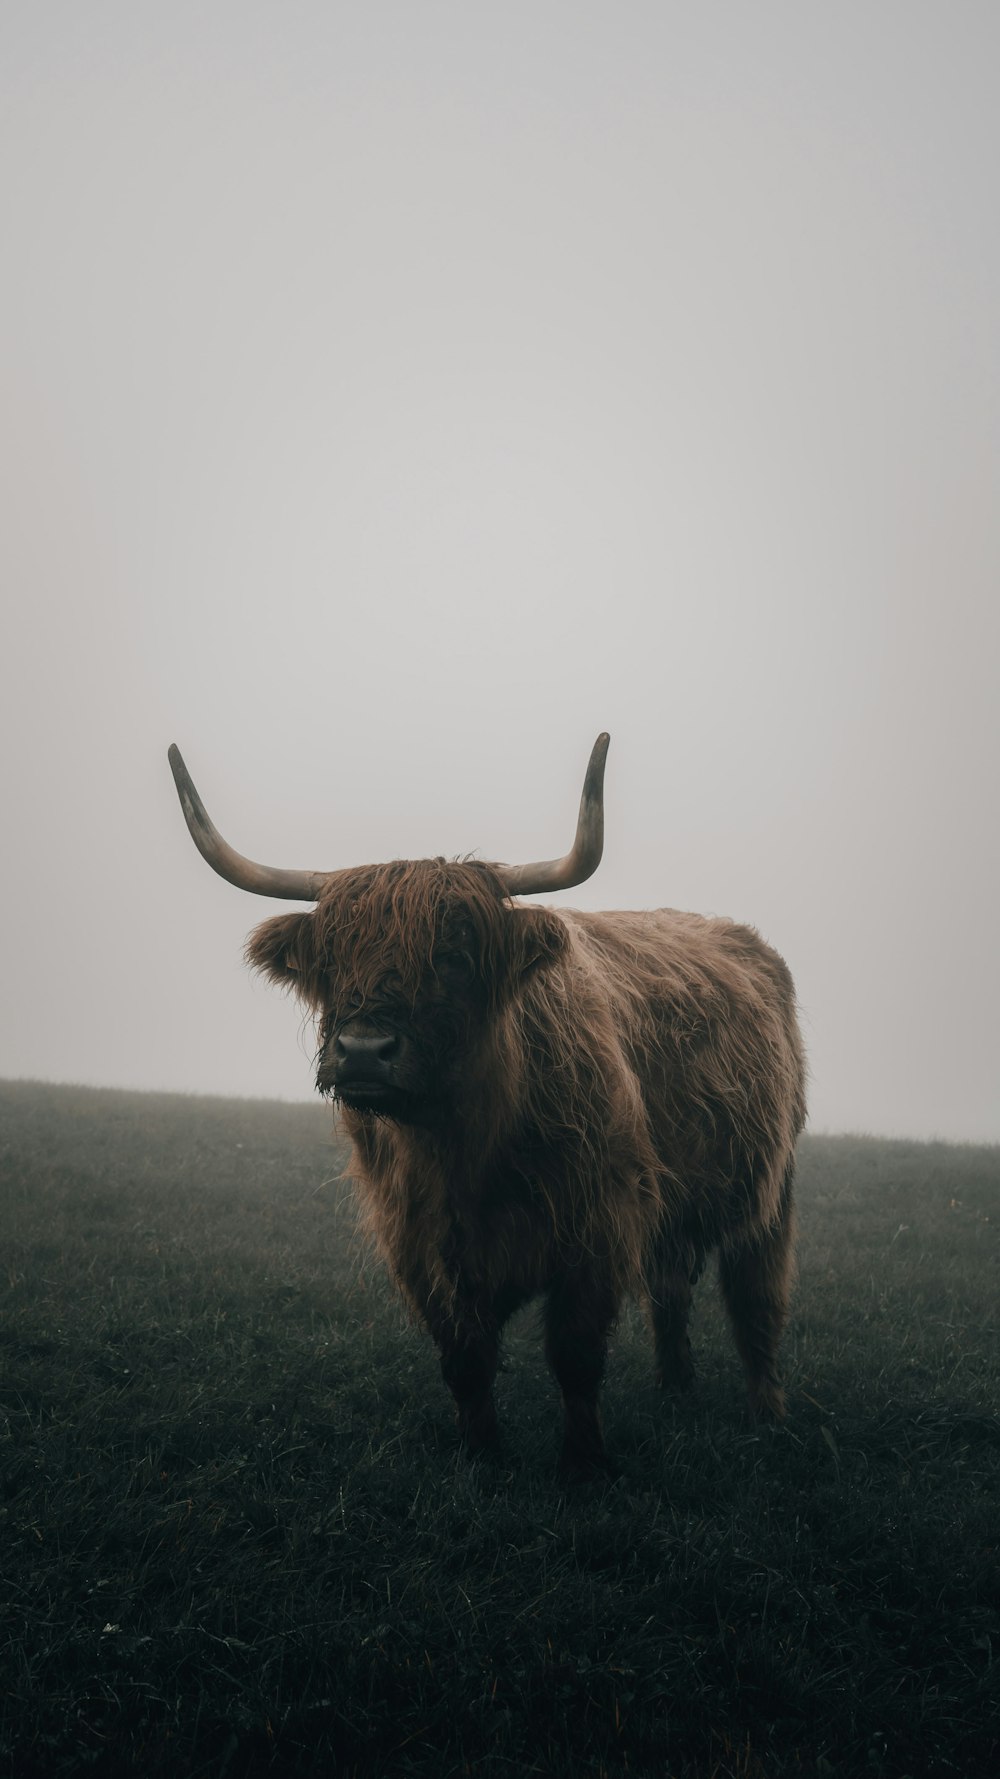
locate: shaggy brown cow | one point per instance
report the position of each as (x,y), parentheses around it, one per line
(542,1101)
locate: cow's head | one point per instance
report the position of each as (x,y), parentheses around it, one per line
(405,964)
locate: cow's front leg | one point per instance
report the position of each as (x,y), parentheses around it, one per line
(469,1345)
(579,1315)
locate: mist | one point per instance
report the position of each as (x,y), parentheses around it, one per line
(396,397)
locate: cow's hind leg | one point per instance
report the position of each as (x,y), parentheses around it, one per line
(756,1278)
(580,1312)
(675,1268)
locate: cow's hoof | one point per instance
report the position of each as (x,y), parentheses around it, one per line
(767,1404)
(675,1378)
(585,1467)
(479,1431)
(486,1456)
(482,1445)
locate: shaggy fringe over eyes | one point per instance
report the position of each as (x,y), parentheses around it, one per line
(381,922)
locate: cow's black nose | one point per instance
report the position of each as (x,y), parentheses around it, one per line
(363,1057)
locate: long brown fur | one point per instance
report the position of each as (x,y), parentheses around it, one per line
(624,1093)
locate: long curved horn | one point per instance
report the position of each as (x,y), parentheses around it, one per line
(585,855)
(263,880)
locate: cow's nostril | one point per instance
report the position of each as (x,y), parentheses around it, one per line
(373,1047)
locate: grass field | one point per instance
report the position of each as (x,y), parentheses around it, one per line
(236,1537)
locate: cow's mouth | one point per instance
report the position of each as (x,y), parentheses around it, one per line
(365,1093)
(379,1098)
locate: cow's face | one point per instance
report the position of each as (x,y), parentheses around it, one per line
(405,965)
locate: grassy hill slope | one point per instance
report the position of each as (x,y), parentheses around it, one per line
(236,1537)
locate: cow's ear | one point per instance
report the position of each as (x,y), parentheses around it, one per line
(280,947)
(542,938)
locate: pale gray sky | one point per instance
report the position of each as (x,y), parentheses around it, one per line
(395,395)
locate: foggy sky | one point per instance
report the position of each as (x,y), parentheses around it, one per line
(395,396)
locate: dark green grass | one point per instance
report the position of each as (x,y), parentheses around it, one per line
(236,1537)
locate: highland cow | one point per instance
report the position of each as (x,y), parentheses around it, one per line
(547,1102)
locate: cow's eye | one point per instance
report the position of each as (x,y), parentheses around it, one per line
(457,966)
